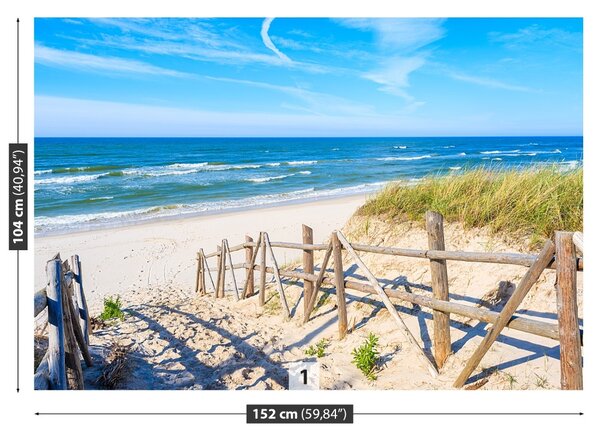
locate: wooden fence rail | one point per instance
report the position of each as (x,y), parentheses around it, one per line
(561,258)
(68,326)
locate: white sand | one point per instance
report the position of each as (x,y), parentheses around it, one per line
(179,340)
(163,253)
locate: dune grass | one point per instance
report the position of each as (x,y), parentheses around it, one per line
(535,201)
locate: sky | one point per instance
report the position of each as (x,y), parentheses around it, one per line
(307,77)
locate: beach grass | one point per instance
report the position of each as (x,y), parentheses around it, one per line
(535,201)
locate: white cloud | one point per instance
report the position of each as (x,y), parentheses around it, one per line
(264,34)
(401,43)
(537,36)
(72,60)
(400,34)
(393,75)
(488,82)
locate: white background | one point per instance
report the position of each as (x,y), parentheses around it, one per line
(18,409)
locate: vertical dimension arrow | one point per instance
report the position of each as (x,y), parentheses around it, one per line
(17,198)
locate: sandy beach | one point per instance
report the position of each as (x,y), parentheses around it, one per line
(121,261)
(179,340)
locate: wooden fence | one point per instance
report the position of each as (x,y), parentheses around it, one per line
(68,326)
(559,255)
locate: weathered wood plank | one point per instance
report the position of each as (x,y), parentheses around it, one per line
(247,290)
(41,378)
(523,324)
(263,272)
(318,282)
(40,301)
(249,271)
(79,335)
(82,309)
(464,256)
(439,284)
(72,361)
(526,283)
(219,269)
(388,304)
(308,265)
(340,290)
(571,365)
(56,337)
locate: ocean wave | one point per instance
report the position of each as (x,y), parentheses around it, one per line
(97,168)
(455,168)
(462,154)
(187,165)
(305,172)
(301,163)
(274,164)
(449,146)
(268,178)
(335,149)
(421,157)
(67,222)
(157,173)
(500,152)
(62,180)
(400,147)
(102,198)
(496,159)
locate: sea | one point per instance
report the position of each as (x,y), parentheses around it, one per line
(83,183)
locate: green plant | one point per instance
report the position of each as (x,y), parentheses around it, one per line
(541,382)
(318,349)
(510,379)
(112,309)
(366,357)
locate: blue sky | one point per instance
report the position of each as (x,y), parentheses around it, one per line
(308,77)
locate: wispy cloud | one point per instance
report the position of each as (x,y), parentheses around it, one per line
(264,34)
(400,34)
(401,43)
(536,36)
(393,75)
(315,102)
(489,82)
(73,60)
(199,41)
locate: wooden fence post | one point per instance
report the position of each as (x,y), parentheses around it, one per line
(84,316)
(308,265)
(219,269)
(201,275)
(320,277)
(72,361)
(340,289)
(263,270)
(249,289)
(198,288)
(515,300)
(571,372)
(439,284)
(223,270)
(56,337)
